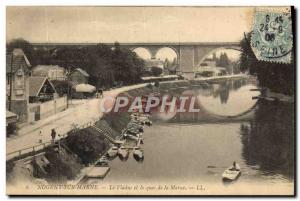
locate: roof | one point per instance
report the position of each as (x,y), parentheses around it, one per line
(173,68)
(36,84)
(162,77)
(10,114)
(85,88)
(82,72)
(210,59)
(15,60)
(98,172)
(45,68)
(210,69)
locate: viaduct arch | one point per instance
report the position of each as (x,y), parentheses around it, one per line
(189,54)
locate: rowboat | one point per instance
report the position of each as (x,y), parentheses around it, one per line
(112,152)
(231,173)
(123,153)
(138,154)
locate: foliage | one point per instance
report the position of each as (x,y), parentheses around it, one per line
(156,71)
(106,65)
(223,61)
(268,140)
(87,145)
(275,76)
(61,165)
(22,44)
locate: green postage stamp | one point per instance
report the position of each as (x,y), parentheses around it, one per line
(272,38)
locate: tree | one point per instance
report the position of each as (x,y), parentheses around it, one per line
(223,61)
(277,77)
(167,63)
(156,71)
(19,43)
(22,44)
(126,65)
(104,64)
(174,63)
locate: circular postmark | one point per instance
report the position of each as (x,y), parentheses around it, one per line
(272,38)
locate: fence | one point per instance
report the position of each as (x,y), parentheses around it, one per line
(42,110)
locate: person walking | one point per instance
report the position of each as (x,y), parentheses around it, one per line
(53,135)
(100,93)
(40,137)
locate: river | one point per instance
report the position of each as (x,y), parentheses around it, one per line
(198,147)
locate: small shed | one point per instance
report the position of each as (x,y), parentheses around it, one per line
(40,89)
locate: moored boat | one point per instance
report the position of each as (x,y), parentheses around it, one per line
(112,152)
(123,153)
(138,154)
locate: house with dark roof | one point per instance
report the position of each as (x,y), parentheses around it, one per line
(40,89)
(79,76)
(17,83)
(43,99)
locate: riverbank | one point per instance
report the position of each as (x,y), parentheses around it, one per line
(267,94)
(114,123)
(187,139)
(80,114)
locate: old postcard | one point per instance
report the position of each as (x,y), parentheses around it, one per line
(150,100)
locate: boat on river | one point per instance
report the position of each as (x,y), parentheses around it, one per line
(112,152)
(133,137)
(138,154)
(123,153)
(148,123)
(132,131)
(232,173)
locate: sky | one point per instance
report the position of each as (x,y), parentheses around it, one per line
(161,54)
(128,24)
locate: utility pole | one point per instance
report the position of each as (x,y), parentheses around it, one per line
(68,80)
(10,81)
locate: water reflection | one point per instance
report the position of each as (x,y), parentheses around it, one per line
(266,128)
(216,101)
(198,147)
(231,102)
(268,140)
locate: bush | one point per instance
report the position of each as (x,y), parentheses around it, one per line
(62,165)
(86,144)
(156,71)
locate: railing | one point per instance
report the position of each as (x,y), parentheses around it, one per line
(103,133)
(38,147)
(27,150)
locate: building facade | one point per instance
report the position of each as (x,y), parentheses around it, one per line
(17,83)
(79,76)
(52,72)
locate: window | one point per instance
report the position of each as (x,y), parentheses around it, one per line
(19,82)
(19,92)
(20,72)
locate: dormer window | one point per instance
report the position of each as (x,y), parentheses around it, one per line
(20,72)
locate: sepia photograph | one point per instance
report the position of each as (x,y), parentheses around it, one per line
(150,100)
